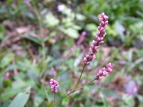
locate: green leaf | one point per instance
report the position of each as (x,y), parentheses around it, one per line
(54,63)
(39,98)
(9,93)
(104,100)
(65,79)
(109,78)
(7,82)
(47,96)
(120,30)
(80,17)
(110,93)
(91,27)
(137,27)
(78,60)
(6,60)
(128,100)
(33,39)
(1,82)
(51,20)
(2,31)
(21,99)
(133,65)
(70,32)
(5,104)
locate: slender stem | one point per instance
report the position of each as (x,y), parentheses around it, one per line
(43,58)
(80,76)
(63,98)
(85,84)
(43,50)
(75,90)
(54,97)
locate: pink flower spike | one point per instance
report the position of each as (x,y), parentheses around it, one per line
(102,23)
(94,42)
(54,85)
(104,69)
(100,19)
(106,17)
(83,33)
(87,63)
(98,34)
(100,77)
(6,75)
(110,65)
(104,72)
(27,3)
(106,22)
(99,28)
(85,59)
(102,28)
(102,14)
(96,47)
(99,39)
(101,42)
(109,70)
(94,57)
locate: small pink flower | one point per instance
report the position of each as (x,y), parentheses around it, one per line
(6,75)
(104,71)
(27,3)
(54,85)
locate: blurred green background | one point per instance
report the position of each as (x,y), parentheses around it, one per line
(36,40)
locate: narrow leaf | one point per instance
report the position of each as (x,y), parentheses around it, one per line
(21,99)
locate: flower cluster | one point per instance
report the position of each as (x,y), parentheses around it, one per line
(99,39)
(104,71)
(54,85)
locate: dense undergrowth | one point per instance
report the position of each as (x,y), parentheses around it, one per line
(42,39)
